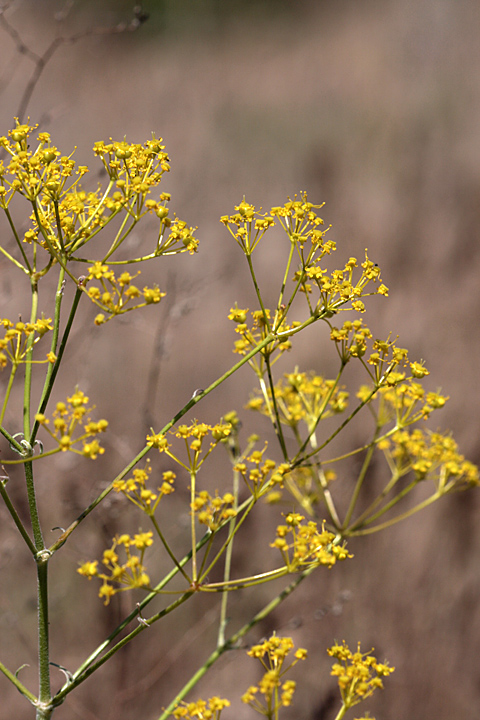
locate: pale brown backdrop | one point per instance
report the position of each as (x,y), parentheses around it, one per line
(372,107)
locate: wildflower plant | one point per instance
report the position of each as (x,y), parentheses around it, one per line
(358,675)
(64,237)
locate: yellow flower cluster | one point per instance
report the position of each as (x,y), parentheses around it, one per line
(351,342)
(14,343)
(261,475)
(135,489)
(297,217)
(250,337)
(213,511)
(359,674)
(303,545)
(70,417)
(133,165)
(339,288)
(404,402)
(121,576)
(33,173)
(115,293)
(432,456)
(302,397)
(249,226)
(277,693)
(65,217)
(194,436)
(201,710)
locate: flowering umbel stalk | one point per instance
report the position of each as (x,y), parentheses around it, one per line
(60,238)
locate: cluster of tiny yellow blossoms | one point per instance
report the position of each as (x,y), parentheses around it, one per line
(277,693)
(250,337)
(115,293)
(303,545)
(351,342)
(201,710)
(65,217)
(358,674)
(297,217)
(15,341)
(121,576)
(338,288)
(136,490)
(194,436)
(72,417)
(432,456)
(249,226)
(213,511)
(33,173)
(261,475)
(405,402)
(302,397)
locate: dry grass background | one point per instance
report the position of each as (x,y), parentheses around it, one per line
(372,107)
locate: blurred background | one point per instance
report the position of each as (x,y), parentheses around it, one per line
(372,107)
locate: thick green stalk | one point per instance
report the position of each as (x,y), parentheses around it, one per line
(45,695)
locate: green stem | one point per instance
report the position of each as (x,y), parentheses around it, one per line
(65,535)
(228,563)
(14,261)
(118,238)
(136,613)
(16,519)
(394,521)
(341,712)
(8,391)
(168,549)
(53,370)
(19,243)
(257,290)
(28,363)
(232,641)
(287,271)
(193,401)
(82,240)
(367,517)
(14,443)
(82,674)
(327,399)
(297,460)
(277,425)
(361,477)
(327,496)
(246,506)
(32,505)
(45,694)
(192,527)
(20,686)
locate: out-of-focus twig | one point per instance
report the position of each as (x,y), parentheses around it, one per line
(41,61)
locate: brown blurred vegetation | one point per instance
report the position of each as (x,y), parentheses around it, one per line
(372,107)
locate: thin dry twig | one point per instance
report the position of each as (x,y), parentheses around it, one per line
(41,61)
